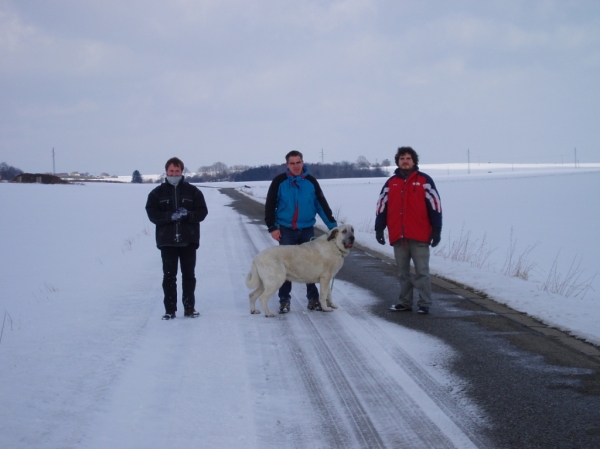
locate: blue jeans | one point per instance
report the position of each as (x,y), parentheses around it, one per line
(291,236)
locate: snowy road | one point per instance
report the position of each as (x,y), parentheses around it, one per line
(305,379)
(86,362)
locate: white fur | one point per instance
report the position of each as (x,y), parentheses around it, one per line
(316,261)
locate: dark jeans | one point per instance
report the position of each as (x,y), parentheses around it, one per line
(296,237)
(186,255)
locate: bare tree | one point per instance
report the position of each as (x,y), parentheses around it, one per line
(239,167)
(362,162)
(8,172)
(219,167)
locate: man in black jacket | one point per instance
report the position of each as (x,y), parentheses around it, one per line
(176,208)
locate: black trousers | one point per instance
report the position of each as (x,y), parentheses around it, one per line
(186,257)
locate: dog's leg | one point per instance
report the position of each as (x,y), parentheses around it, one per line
(264,300)
(329,297)
(330,302)
(325,295)
(253,280)
(253,297)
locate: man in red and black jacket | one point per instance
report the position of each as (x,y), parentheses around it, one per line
(409,207)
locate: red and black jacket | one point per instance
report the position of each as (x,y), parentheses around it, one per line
(409,206)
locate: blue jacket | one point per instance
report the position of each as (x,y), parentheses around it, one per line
(294,202)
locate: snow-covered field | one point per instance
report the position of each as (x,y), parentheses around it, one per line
(86,361)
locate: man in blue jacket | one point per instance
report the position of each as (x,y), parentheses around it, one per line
(293,201)
(176,208)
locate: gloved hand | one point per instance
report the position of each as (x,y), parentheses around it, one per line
(436,236)
(181,214)
(380,238)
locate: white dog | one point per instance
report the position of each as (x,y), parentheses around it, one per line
(316,261)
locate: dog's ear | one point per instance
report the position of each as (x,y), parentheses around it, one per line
(333,234)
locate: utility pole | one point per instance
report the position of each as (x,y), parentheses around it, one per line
(468,161)
(53,163)
(322,157)
(575,156)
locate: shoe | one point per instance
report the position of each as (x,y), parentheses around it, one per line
(423,311)
(169,316)
(314,305)
(191,313)
(400,308)
(284,307)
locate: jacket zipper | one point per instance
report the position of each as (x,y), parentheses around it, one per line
(296,208)
(177,235)
(403,210)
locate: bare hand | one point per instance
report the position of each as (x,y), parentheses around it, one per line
(276,234)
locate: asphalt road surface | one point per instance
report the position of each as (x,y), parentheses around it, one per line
(538,387)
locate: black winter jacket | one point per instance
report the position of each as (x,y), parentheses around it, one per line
(163,201)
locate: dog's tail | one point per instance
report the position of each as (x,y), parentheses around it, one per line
(252,279)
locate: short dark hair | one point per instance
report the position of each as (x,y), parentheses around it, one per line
(407,150)
(174,161)
(293,153)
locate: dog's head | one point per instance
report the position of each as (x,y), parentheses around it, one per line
(343,236)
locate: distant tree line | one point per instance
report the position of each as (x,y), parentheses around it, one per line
(8,172)
(345,169)
(318,170)
(219,171)
(261,173)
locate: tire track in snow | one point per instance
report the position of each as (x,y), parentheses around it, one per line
(383,415)
(360,401)
(360,425)
(363,394)
(336,434)
(438,393)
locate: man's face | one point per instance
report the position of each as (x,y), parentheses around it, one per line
(405,162)
(173,170)
(295,164)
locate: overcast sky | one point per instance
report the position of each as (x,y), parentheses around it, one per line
(114,86)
